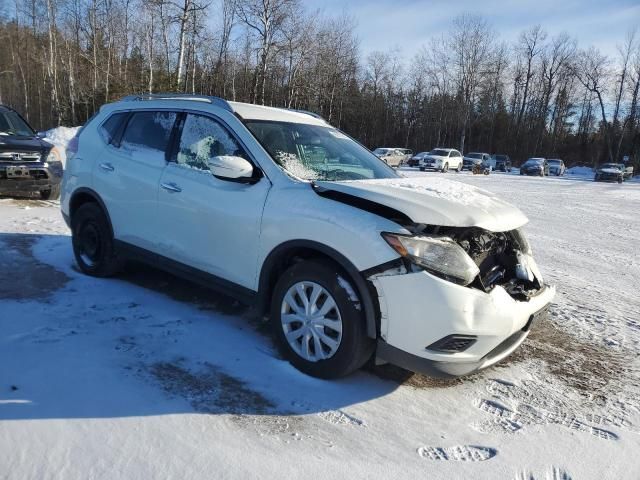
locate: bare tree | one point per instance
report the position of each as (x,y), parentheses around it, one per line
(592,70)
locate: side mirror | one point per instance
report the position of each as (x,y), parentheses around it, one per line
(234,169)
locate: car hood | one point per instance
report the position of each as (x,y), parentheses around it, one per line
(435,201)
(22,144)
(609,170)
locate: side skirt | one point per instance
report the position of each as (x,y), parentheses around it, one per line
(207,280)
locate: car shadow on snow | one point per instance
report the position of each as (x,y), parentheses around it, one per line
(147,343)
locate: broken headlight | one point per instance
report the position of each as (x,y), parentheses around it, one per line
(441,256)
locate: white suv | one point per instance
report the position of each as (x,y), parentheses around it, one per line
(279,208)
(442,159)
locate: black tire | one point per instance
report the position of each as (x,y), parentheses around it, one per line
(52,193)
(445,168)
(422,169)
(355,347)
(93,244)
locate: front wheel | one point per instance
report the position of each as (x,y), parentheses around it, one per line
(318,322)
(445,168)
(459,168)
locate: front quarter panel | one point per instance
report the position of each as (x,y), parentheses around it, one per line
(296,212)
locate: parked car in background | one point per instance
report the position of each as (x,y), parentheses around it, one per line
(556,167)
(612,172)
(391,156)
(474,158)
(442,159)
(408,153)
(273,206)
(535,166)
(502,162)
(28,164)
(414,161)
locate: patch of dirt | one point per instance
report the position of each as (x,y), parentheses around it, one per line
(592,370)
(411,379)
(24,277)
(210,390)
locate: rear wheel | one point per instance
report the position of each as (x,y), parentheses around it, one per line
(93,244)
(52,193)
(318,322)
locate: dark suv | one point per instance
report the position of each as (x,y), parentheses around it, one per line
(28,164)
(503,162)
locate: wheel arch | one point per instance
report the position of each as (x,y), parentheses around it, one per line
(86,195)
(288,253)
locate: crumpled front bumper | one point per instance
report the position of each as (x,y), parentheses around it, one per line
(418,309)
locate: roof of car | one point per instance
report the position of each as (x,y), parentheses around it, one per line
(247,111)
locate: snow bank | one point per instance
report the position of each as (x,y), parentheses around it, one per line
(60,137)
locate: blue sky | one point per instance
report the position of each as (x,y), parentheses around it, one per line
(408,24)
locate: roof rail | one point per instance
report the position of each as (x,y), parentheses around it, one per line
(220,102)
(306,112)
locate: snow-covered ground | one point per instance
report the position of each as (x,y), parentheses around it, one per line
(146,376)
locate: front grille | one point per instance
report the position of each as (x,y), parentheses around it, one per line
(20,156)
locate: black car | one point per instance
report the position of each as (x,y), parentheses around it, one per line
(28,164)
(535,166)
(503,162)
(414,161)
(610,172)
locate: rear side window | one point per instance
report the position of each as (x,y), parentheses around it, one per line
(148,133)
(109,129)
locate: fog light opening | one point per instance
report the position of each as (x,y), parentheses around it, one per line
(453,343)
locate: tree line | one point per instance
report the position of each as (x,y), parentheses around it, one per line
(540,95)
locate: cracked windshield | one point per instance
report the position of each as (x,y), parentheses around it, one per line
(312,152)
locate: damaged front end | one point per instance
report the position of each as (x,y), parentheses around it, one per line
(471,256)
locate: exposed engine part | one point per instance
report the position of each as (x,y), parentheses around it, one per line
(523,270)
(502,258)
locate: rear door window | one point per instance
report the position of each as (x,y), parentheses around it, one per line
(147,135)
(109,129)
